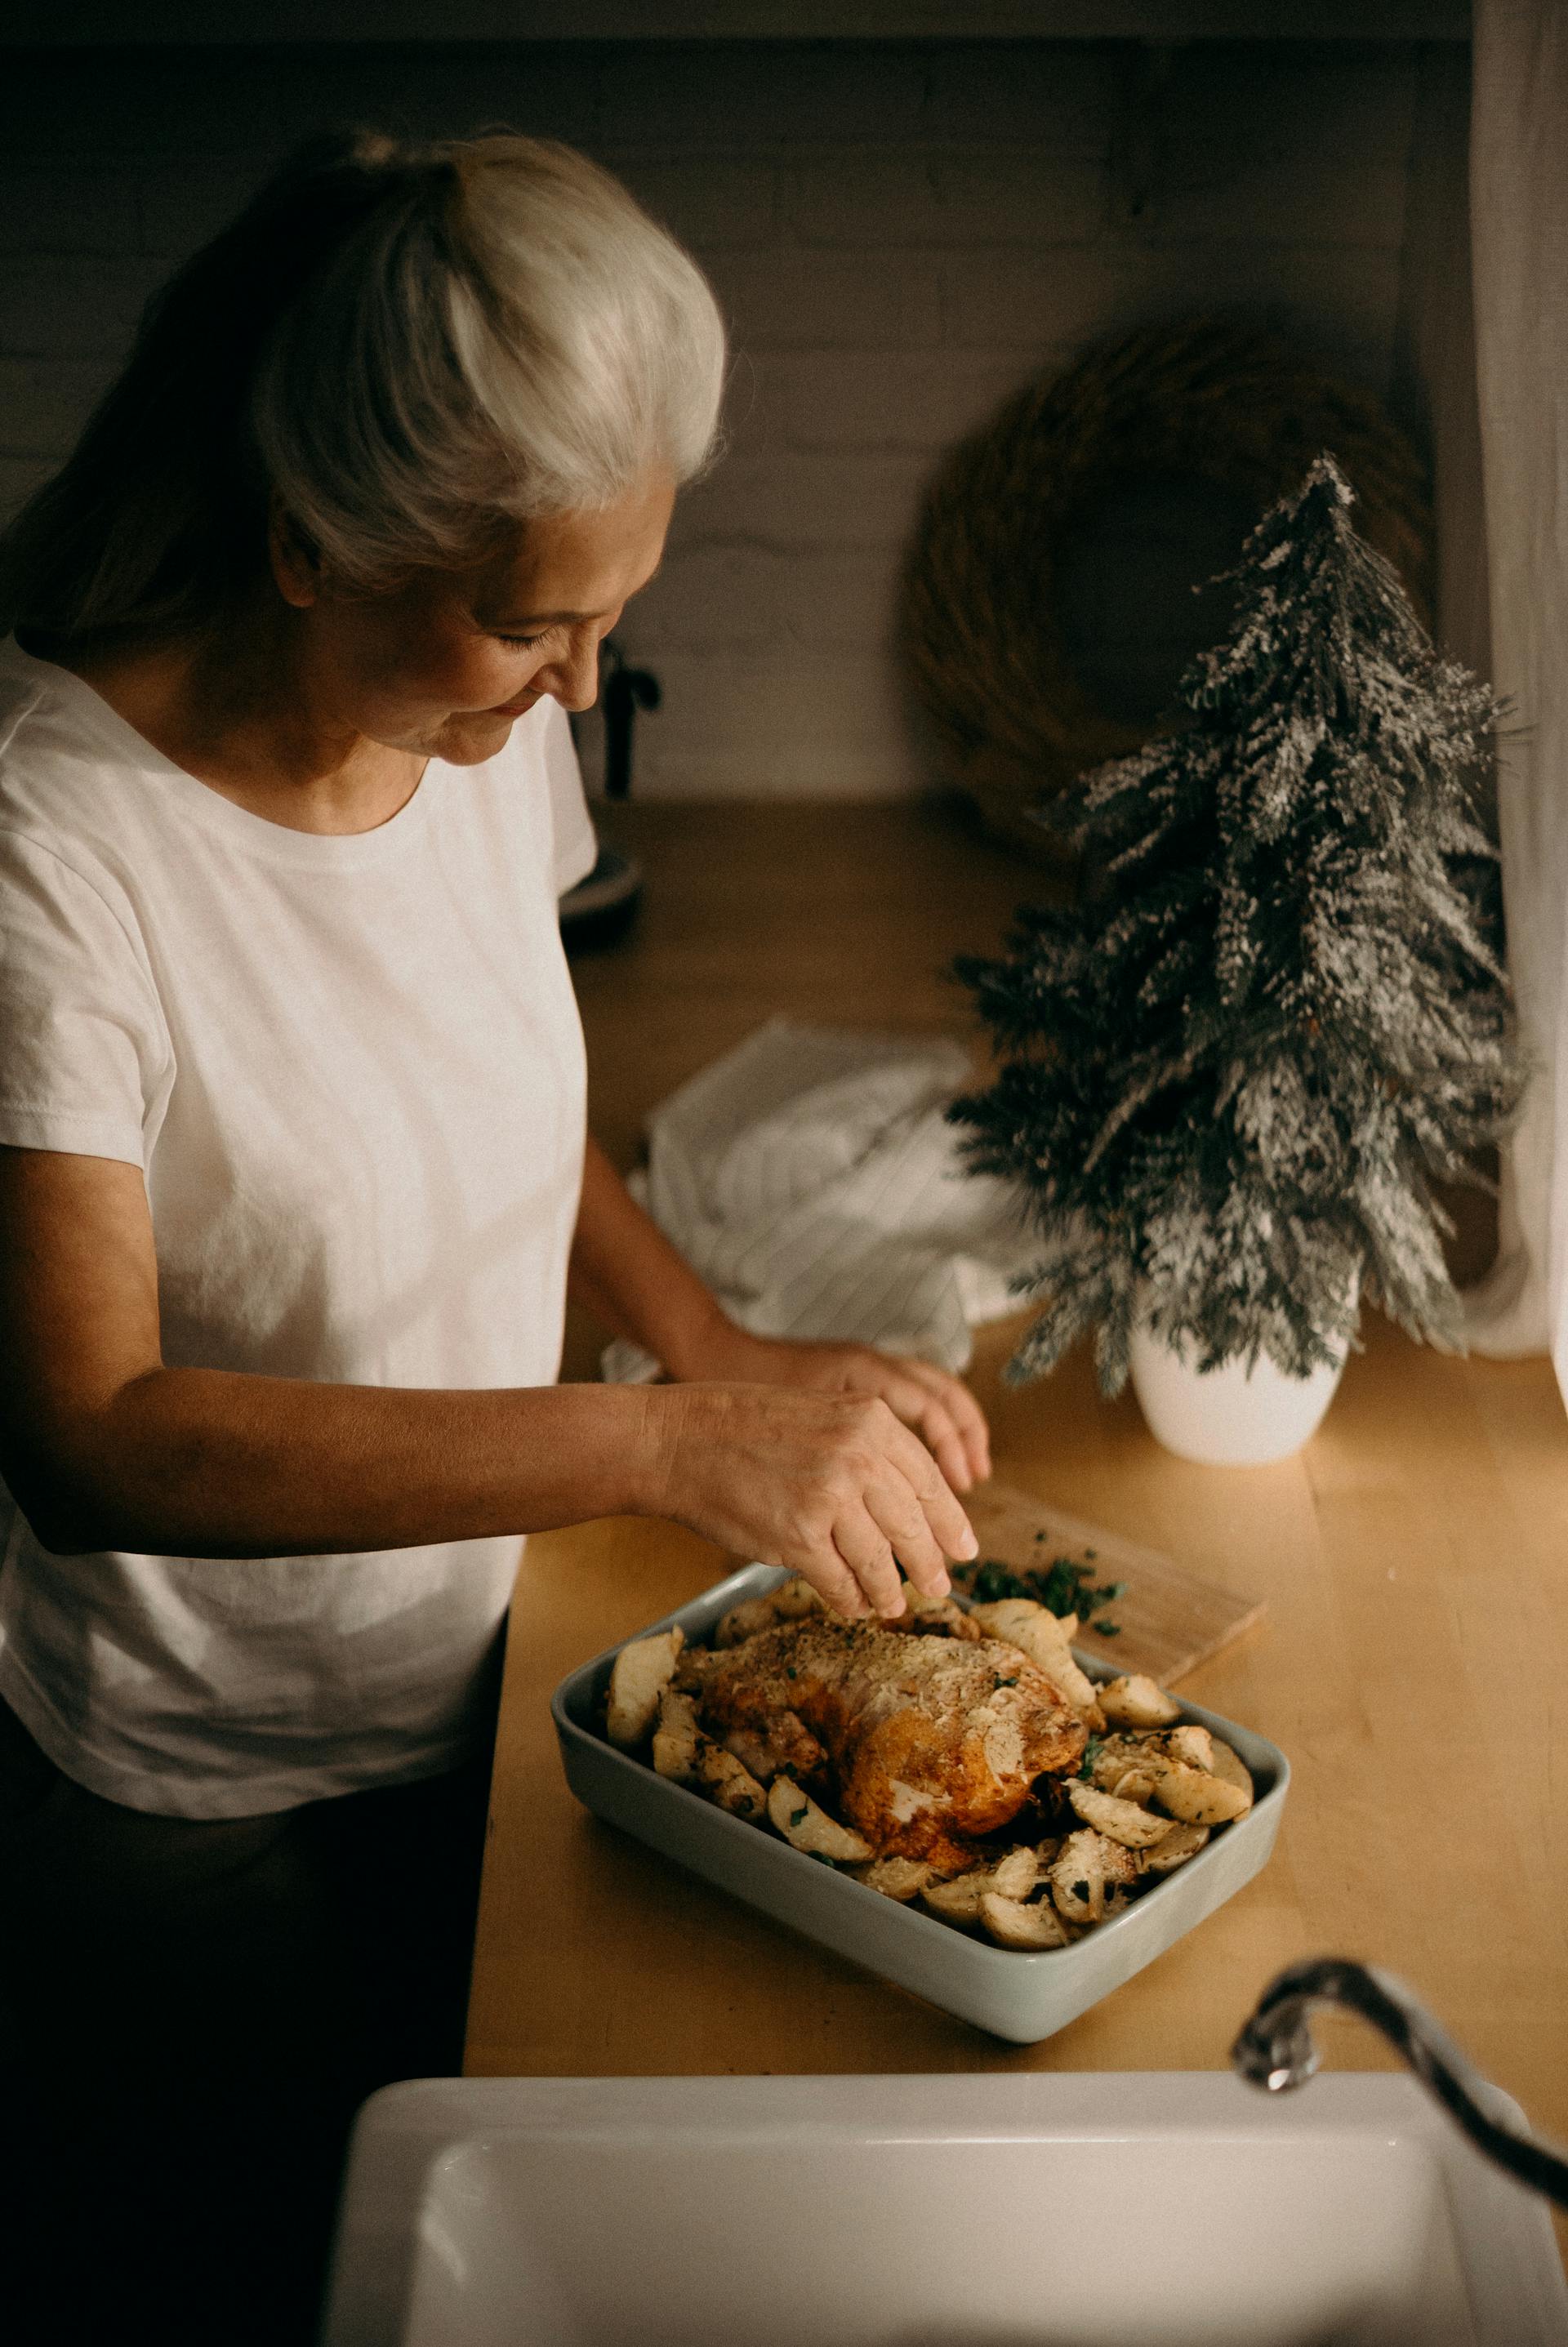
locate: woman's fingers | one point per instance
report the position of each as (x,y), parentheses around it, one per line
(963,1412)
(950,1420)
(838,1583)
(833,1485)
(869,1556)
(950,1527)
(898,1514)
(944,1413)
(904,1517)
(915,1404)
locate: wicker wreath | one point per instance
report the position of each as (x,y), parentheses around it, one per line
(1218,401)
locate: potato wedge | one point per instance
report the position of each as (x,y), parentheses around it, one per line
(958,1901)
(677,1737)
(902,1878)
(732,1785)
(806,1827)
(1231,1770)
(1123,1821)
(1076,1686)
(1195,1798)
(1119,1755)
(1041,1635)
(1191,1744)
(1085,1868)
(794,1600)
(1173,1849)
(744,1621)
(1134,1785)
(1003,1615)
(1015,1873)
(1028,1929)
(641,1673)
(1138,1702)
(998,1616)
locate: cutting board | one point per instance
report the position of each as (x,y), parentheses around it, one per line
(1169,1620)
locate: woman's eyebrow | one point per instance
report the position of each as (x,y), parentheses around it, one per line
(543,620)
(564,619)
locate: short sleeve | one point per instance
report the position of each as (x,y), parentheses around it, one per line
(576,846)
(86,1062)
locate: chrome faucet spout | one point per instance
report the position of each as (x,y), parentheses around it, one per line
(1276,2053)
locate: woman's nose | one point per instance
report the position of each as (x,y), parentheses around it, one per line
(573,680)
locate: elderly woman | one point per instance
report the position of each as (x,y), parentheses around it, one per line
(293,1182)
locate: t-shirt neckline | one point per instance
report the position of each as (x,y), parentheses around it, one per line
(276,842)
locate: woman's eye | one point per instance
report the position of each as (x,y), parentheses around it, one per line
(528,642)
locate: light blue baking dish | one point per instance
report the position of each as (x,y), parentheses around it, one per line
(1024,1997)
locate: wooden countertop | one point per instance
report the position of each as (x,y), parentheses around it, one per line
(1413,1663)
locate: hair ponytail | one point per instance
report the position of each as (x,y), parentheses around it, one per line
(409,347)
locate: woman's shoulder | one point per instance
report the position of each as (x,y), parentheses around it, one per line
(61,751)
(24,697)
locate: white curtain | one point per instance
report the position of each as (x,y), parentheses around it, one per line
(1519,220)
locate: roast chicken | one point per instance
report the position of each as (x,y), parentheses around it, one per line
(921,1743)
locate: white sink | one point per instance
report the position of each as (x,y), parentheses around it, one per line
(1070,2210)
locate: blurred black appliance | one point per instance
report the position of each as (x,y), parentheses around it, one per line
(601,907)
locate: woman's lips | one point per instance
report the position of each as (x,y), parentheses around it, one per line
(516,708)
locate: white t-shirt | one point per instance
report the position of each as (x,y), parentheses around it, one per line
(352,1072)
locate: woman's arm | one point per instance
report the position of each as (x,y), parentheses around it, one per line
(104,1446)
(626,1274)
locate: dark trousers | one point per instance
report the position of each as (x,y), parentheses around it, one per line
(191,2013)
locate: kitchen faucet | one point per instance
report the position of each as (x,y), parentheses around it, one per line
(1276,2053)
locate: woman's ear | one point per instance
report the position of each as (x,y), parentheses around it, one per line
(295,560)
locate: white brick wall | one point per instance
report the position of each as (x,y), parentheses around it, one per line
(900,233)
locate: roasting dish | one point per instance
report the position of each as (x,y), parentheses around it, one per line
(1022,1996)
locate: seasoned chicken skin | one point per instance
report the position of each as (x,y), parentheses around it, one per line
(929,1740)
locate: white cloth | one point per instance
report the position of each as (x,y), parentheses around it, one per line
(352,1072)
(809,1175)
(1519,204)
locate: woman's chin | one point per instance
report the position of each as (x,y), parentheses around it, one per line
(469,737)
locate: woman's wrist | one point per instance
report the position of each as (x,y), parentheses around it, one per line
(707,1346)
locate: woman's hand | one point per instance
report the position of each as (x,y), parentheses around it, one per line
(830,1484)
(798,1454)
(940,1408)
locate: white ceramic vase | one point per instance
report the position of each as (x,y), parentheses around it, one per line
(1233,1416)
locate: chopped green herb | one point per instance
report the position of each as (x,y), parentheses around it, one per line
(1091,1554)
(1107,1629)
(1091,1751)
(822,1858)
(1002,1682)
(1063,1586)
(798,1817)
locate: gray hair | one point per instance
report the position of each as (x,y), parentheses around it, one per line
(412,349)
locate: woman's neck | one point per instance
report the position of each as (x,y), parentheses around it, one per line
(235,709)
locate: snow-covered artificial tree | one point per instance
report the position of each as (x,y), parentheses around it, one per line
(1232,1074)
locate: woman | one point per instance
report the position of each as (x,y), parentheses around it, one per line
(292,1178)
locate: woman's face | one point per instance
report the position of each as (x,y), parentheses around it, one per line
(444,665)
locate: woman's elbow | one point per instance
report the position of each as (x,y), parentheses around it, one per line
(76,1509)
